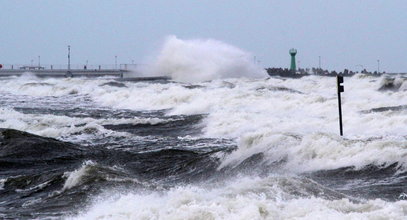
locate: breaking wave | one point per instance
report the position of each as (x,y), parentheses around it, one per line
(201,60)
(248,198)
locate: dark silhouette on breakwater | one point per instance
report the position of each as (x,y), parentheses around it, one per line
(285,72)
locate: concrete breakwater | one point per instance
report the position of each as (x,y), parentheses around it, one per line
(65,72)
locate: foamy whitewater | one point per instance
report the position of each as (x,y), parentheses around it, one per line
(212,143)
(200,60)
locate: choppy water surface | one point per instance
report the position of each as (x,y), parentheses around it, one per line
(222,149)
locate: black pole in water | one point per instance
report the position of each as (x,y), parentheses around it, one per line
(339,80)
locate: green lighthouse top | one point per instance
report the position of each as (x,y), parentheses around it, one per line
(293,52)
(293,66)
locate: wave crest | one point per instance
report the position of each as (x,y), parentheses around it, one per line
(202,60)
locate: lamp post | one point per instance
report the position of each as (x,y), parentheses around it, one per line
(69,57)
(319,62)
(69,73)
(115,62)
(378,66)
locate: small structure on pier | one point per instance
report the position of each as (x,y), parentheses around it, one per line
(32,68)
(293,66)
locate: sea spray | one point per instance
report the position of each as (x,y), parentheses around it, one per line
(201,60)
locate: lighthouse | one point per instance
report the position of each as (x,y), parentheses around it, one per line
(293,66)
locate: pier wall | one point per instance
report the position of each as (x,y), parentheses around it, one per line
(65,72)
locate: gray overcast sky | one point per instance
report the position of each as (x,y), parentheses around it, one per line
(345,33)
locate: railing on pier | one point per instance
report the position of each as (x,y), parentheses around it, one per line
(72,67)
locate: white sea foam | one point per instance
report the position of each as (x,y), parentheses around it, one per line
(45,125)
(319,151)
(75,177)
(2,182)
(258,111)
(248,198)
(63,126)
(263,115)
(289,120)
(203,59)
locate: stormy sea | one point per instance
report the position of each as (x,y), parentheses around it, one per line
(210,142)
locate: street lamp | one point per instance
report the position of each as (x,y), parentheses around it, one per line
(69,57)
(319,62)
